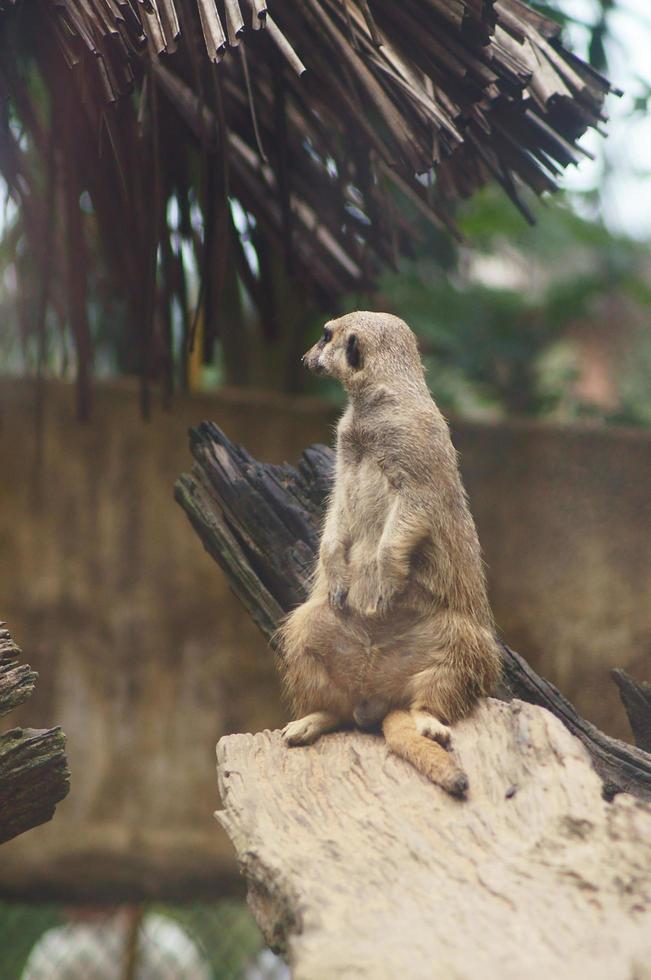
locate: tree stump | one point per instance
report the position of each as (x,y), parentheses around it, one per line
(358,867)
(34,776)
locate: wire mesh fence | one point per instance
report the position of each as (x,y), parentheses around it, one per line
(217,941)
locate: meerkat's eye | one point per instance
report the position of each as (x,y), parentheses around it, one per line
(353,354)
(327,335)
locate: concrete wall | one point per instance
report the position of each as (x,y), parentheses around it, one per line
(564,516)
(145,658)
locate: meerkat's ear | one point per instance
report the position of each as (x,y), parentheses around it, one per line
(353,354)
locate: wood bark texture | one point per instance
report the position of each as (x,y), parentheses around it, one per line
(261,523)
(34,775)
(358,867)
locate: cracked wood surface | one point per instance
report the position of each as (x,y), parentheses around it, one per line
(359,867)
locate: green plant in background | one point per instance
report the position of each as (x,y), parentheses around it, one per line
(224,931)
(635,398)
(501,328)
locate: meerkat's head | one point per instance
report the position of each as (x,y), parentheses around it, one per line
(366,348)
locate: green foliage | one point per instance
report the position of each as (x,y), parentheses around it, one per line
(495,336)
(635,399)
(224,931)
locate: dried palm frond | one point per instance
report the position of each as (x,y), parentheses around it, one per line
(308,114)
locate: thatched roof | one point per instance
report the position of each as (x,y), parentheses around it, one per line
(311,113)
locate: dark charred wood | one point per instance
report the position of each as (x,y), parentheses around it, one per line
(636,699)
(33,778)
(16,680)
(34,774)
(260,522)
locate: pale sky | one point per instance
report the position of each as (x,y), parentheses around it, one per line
(626,152)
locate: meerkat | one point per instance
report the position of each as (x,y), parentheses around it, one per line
(397,630)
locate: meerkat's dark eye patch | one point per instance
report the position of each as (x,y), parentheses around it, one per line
(353,354)
(327,335)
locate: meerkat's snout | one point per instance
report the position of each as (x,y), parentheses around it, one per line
(336,353)
(316,358)
(310,360)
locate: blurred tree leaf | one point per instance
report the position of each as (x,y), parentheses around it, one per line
(494,337)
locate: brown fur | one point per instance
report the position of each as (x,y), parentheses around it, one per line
(397,625)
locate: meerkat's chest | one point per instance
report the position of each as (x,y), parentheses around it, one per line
(367,493)
(367,497)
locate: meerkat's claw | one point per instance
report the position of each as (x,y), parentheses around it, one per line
(431,727)
(377,609)
(380,605)
(338,597)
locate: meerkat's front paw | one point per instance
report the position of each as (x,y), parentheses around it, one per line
(306,730)
(431,727)
(301,732)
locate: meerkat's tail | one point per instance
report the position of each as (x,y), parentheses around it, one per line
(427,756)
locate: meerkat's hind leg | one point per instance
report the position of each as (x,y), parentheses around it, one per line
(306,730)
(430,726)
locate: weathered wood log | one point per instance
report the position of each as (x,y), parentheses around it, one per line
(261,524)
(34,775)
(17,681)
(358,867)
